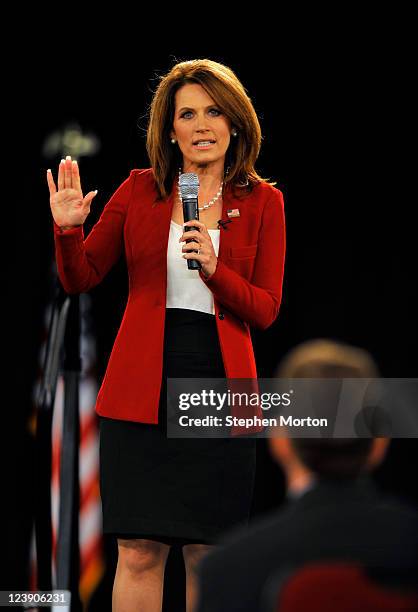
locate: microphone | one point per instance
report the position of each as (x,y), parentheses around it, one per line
(189,189)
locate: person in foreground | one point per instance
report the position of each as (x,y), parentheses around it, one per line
(159,491)
(333,509)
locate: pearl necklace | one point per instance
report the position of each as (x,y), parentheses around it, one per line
(211,202)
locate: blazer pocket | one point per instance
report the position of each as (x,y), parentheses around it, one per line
(243,251)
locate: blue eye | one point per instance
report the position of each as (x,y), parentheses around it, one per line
(212,110)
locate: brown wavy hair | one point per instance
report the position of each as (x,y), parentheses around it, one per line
(228,93)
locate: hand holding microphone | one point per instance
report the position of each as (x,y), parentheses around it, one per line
(204,258)
(200,238)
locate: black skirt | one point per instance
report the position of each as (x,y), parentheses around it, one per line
(176,490)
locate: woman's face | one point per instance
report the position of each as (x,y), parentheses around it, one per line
(198,118)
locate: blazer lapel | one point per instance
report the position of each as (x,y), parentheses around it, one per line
(231,233)
(226,232)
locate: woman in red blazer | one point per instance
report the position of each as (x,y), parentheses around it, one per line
(158,491)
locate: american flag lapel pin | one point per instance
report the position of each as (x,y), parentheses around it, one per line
(233,212)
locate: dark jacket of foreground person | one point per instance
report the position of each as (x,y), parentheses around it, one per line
(334,520)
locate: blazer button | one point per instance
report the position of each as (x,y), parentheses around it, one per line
(221,315)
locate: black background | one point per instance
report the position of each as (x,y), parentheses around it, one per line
(331,106)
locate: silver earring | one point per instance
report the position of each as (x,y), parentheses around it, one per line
(234,132)
(173,141)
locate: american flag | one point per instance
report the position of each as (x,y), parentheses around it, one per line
(233,212)
(90,513)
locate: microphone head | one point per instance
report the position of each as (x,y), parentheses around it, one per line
(189,185)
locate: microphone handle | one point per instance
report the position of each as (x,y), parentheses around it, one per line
(190,212)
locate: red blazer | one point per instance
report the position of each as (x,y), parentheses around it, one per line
(246,285)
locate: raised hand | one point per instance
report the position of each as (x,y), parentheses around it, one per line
(68,205)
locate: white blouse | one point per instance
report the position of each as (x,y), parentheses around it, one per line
(185,288)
